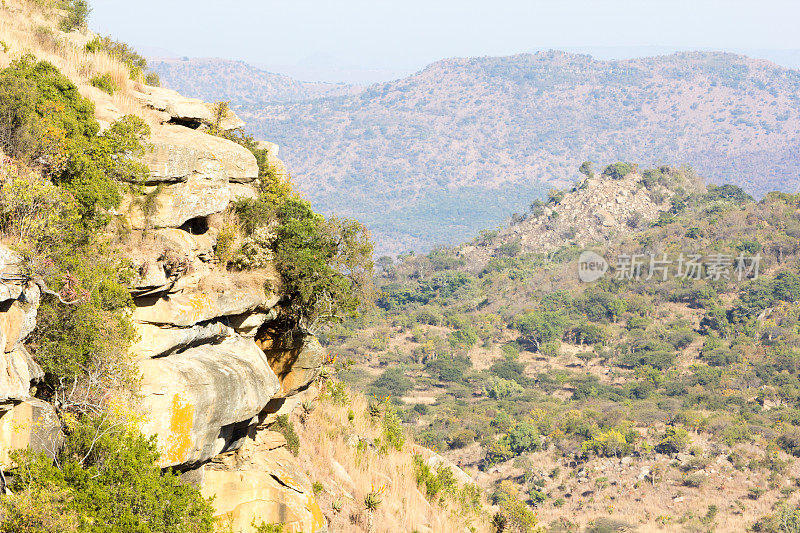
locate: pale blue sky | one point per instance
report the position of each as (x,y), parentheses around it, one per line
(370,40)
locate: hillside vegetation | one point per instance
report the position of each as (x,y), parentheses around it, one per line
(423,160)
(668,403)
(213,79)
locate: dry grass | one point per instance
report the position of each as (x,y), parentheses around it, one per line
(324,438)
(26,28)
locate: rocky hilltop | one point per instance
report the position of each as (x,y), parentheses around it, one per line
(599,209)
(223,79)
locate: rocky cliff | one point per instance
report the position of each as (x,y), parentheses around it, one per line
(217,361)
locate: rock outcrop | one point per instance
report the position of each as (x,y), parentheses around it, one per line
(19,299)
(217,361)
(260,482)
(24,421)
(594,212)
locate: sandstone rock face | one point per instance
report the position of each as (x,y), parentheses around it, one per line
(194,398)
(191,174)
(32,423)
(199,196)
(178,152)
(194,305)
(158,341)
(177,107)
(296,361)
(19,300)
(262,482)
(212,377)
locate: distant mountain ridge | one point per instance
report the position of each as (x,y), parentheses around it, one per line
(434,157)
(214,79)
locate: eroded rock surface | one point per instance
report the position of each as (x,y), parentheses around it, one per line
(216,358)
(19,300)
(262,482)
(194,398)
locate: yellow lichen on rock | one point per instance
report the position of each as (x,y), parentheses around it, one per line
(180,440)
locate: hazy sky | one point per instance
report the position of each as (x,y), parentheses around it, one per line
(360,40)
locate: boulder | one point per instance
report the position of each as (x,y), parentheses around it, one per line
(178,152)
(198,401)
(18,318)
(160,340)
(436,461)
(17,371)
(272,157)
(248,324)
(181,109)
(243,191)
(30,424)
(11,279)
(195,304)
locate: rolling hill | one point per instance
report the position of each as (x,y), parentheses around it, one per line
(215,79)
(435,157)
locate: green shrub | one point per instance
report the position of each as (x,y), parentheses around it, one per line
(694,480)
(105,83)
(497,451)
(122,52)
(786,519)
(736,433)
(326,266)
(538,327)
(612,442)
(436,482)
(674,440)
(46,122)
(618,170)
(523,437)
(77,15)
(152,79)
(268,528)
(537,496)
(393,431)
(393,382)
(107,480)
(587,169)
(285,427)
(789,441)
(500,388)
(449,369)
(461,438)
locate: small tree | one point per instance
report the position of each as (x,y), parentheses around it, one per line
(673,440)
(617,171)
(77,15)
(587,169)
(538,327)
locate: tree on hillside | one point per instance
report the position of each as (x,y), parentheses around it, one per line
(538,327)
(587,169)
